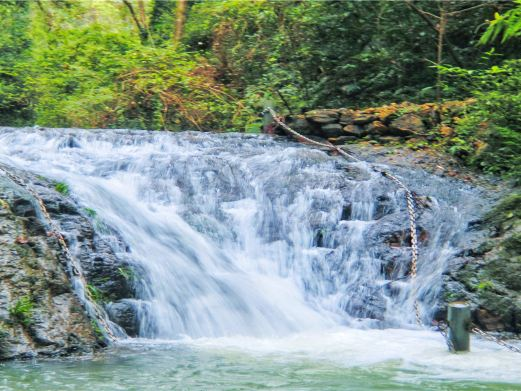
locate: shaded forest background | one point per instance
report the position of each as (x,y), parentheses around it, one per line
(213,65)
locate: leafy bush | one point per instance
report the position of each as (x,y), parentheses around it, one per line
(22,310)
(489,136)
(166,89)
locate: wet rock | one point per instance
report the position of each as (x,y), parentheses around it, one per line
(70,142)
(384,206)
(363,119)
(407,125)
(52,321)
(341,140)
(301,125)
(322,117)
(354,130)
(331,130)
(38,310)
(388,139)
(347,211)
(124,313)
(346,116)
(488,321)
(23,207)
(489,279)
(363,305)
(377,127)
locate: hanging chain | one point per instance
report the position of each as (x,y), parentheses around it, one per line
(490,337)
(75,269)
(443,328)
(408,196)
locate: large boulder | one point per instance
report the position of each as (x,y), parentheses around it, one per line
(409,124)
(331,130)
(354,130)
(489,276)
(323,116)
(125,314)
(301,125)
(40,313)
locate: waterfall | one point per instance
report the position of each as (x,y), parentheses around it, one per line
(252,235)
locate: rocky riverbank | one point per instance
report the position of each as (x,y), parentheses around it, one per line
(488,276)
(386,124)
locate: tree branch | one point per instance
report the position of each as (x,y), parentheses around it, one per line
(433,26)
(143,33)
(453,13)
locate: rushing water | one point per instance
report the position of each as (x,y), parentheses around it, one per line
(343,359)
(260,263)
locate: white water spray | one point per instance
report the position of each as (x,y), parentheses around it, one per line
(246,235)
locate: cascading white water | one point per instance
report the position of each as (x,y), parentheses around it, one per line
(247,235)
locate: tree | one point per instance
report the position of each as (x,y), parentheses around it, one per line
(180,17)
(439,23)
(139,20)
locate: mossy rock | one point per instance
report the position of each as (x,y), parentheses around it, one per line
(506,215)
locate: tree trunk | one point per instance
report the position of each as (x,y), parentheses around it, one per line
(439,58)
(180,17)
(143,32)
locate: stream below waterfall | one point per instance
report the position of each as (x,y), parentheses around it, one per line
(260,264)
(342,359)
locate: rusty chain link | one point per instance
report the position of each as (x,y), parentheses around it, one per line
(408,196)
(443,328)
(500,342)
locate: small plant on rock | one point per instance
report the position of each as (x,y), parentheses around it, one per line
(90,212)
(62,188)
(95,294)
(22,310)
(127,273)
(485,286)
(97,330)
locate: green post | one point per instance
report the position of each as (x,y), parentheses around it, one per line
(267,122)
(458,319)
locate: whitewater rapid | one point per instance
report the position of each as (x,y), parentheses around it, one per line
(247,235)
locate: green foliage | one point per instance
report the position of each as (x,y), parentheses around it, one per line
(14,46)
(90,212)
(62,188)
(506,26)
(22,310)
(87,64)
(94,293)
(168,89)
(489,136)
(127,273)
(98,332)
(485,286)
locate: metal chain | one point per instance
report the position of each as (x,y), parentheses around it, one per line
(408,196)
(444,331)
(414,238)
(490,337)
(443,328)
(55,232)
